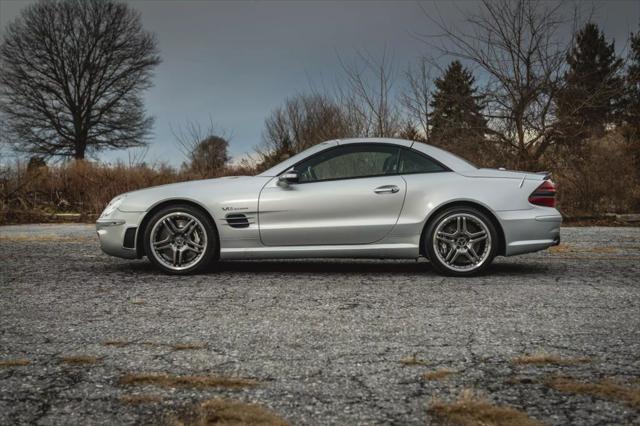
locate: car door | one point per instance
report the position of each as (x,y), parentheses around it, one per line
(349,194)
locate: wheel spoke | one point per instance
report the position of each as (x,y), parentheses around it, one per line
(477,240)
(458,224)
(177,257)
(444,237)
(161,245)
(171,227)
(193,246)
(455,256)
(478,234)
(451,254)
(189,227)
(472,255)
(464,225)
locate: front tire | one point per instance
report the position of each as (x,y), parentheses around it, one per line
(180,240)
(461,242)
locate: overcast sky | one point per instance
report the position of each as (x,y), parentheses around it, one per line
(236,61)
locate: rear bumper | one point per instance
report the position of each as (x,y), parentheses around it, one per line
(118,234)
(531,230)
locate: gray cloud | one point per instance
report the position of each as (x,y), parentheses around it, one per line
(236,61)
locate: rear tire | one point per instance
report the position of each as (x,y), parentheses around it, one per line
(180,240)
(461,242)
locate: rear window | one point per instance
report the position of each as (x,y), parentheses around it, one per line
(411,161)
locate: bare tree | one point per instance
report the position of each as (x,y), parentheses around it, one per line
(417,95)
(205,148)
(368,97)
(519,47)
(300,123)
(72,73)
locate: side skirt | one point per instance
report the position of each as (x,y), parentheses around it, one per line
(375,251)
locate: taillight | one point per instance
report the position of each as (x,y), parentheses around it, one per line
(544,195)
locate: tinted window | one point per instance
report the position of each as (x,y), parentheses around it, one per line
(349,161)
(413,162)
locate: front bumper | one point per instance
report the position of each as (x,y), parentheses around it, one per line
(118,234)
(531,230)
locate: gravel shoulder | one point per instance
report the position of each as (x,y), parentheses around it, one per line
(326,342)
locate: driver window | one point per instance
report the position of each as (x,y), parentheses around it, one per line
(349,161)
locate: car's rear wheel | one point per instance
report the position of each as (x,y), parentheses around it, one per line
(461,241)
(180,239)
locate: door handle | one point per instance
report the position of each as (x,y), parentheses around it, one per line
(386,189)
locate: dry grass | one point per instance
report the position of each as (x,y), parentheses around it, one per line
(176,346)
(80,189)
(188,346)
(140,399)
(36,238)
(561,248)
(200,382)
(413,361)
(470,410)
(229,413)
(14,363)
(80,360)
(116,343)
(440,374)
(515,380)
(542,359)
(606,389)
(566,248)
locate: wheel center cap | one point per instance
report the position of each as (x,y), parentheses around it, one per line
(179,241)
(461,242)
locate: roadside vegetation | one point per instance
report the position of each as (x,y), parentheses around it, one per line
(519,89)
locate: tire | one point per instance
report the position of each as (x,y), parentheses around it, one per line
(180,240)
(470,233)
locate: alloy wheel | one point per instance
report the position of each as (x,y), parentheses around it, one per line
(462,242)
(178,240)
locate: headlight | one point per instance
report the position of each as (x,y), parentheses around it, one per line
(113,204)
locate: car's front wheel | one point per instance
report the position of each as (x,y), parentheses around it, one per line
(461,241)
(180,239)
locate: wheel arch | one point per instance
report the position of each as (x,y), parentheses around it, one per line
(166,203)
(465,203)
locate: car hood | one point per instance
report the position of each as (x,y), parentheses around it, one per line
(205,191)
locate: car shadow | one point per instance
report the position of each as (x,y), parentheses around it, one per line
(336,267)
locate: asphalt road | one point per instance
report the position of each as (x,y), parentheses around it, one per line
(323,340)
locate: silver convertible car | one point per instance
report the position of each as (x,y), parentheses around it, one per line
(356,198)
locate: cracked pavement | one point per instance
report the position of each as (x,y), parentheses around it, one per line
(323,337)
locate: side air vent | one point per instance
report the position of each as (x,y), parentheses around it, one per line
(237,220)
(129,238)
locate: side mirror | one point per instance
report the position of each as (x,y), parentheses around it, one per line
(287,178)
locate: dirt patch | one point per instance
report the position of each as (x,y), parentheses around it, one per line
(413,361)
(188,346)
(80,359)
(116,343)
(229,413)
(606,389)
(567,248)
(542,359)
(440,374)
(14,363)
(131,399)
(470,410)
(44,238)
(166,380)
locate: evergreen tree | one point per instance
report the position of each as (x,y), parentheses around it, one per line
(593,88)
(456,117)
(632,105)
